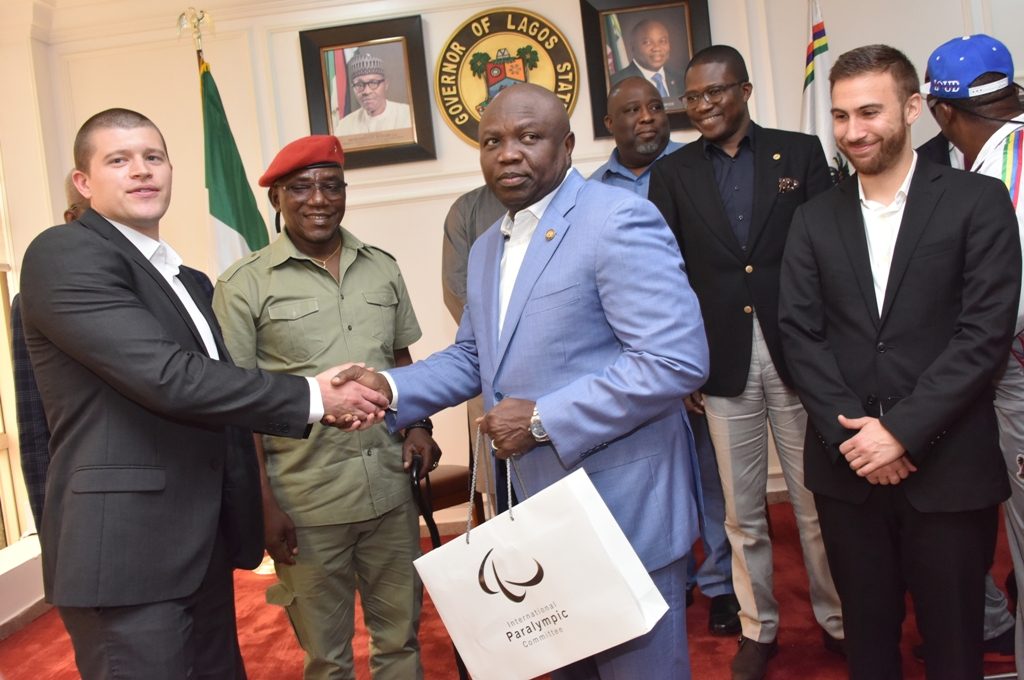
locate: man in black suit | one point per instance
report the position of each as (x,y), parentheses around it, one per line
(33,431)
(729,198)
(898,301)
(153,493)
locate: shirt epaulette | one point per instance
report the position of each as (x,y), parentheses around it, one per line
(230,271)
(380,250)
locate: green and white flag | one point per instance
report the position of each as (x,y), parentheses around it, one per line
(238,225)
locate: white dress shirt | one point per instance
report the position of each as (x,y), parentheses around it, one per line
(517,232)
(881,227)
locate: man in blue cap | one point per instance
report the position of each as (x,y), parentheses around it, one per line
(970,91)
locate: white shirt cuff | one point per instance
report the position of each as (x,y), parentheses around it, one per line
(393,406)
(316,402)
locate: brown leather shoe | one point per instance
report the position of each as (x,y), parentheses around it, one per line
(751,661)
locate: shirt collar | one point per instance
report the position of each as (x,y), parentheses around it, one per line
(995,140)
(614,164)
(901,193)
(282,249)
(648,74)
(748,136)
(159,253)
(537,209)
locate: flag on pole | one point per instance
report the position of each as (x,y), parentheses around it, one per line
(337,75)
(816,115)
(238,225)
(615,52)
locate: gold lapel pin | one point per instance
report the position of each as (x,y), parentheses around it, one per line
(776,156)
(549,234)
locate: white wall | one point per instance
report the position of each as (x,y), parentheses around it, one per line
(62,60)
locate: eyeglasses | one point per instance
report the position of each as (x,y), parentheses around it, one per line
(303,191)
(711,95)
(363,84)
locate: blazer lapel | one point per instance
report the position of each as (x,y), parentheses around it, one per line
(203,303)
(538,254)
(851,232)
(96,222)
(922,198)
(767,172)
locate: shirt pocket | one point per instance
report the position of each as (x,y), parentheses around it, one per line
(381,308)
(293,325)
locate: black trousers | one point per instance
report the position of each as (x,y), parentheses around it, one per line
(879,550)
(192,637)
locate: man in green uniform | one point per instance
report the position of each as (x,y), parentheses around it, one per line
(337,506)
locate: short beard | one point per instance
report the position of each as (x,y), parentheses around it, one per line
(886,157)
(647,148)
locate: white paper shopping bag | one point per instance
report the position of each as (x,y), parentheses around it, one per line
(553,583)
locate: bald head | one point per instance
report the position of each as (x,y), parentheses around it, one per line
(637,119)
(542,100)
(525,145)
(76,202)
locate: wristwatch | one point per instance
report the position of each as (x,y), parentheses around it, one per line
(537,427)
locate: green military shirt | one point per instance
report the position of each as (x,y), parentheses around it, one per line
(282,312)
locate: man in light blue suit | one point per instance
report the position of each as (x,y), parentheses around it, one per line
(584,336)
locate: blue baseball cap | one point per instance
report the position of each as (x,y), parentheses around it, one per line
(955,64)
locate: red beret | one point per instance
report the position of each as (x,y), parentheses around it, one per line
(305,152)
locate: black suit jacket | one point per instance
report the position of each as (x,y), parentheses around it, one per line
(935,150)
(33,430)
(143,452)
(925,362)
(789,168)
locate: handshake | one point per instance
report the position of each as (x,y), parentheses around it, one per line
(355,397)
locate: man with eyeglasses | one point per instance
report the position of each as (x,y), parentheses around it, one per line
(337,506)
(729,198)
(376,113)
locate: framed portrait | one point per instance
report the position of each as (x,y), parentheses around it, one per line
(654,40)
(367,85)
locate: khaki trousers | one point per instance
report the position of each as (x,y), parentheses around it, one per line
(739,431)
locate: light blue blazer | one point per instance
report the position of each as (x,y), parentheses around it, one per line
(604,332)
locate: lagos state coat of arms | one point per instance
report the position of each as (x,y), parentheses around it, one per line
(493,50)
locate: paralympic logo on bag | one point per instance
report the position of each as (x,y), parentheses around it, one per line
(541,622)
(502,584)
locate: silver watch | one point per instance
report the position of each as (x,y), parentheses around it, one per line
(537,428)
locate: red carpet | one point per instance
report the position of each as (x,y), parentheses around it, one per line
(43,650)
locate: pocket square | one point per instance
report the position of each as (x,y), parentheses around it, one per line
(787,184)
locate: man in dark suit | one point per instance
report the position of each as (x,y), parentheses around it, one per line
(152,494)
(649,49)
(898,301)
(33,431)
(729,198)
